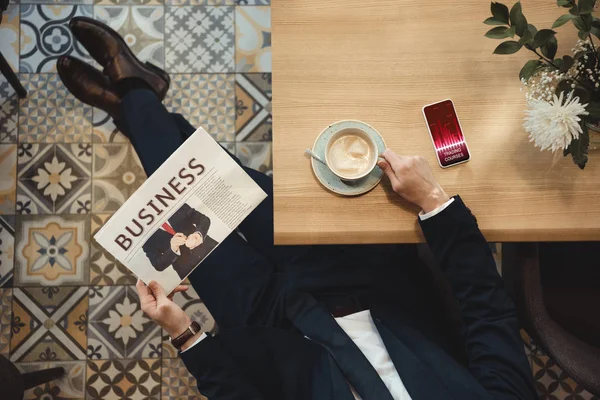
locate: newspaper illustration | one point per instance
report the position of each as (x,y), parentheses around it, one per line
(181,213)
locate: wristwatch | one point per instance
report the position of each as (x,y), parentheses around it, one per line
(180,340)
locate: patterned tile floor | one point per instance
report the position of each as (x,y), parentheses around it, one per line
(65,168)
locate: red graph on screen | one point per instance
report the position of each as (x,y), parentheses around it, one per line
(446,133)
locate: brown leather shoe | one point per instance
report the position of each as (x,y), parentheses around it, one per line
(89,85)
(110,50)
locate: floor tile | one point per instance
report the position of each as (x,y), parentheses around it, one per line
(552,383)
(8,175)
(253,119)
(104,268)
(9,111)
(256,156)
(199,39)
(177,382)
(51,114)
(206,100)
(118,328)
(104,129)
(142,28)
(123,379)
(49,323)
(70,386)
(7,250)
(253,2)
(128,2)
(195,308)
(200,2)
(253,39)
(52,250)
(45,35)
(117,173)
(228,146)
(5,320)
(55,179)
(9,32)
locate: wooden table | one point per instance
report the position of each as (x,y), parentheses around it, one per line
(380,61)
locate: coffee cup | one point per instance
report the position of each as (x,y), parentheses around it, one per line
(351,154)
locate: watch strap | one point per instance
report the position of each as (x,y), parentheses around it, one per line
(180,340)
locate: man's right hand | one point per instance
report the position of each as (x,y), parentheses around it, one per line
(177,240)
(412,178)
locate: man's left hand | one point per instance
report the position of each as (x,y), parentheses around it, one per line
(161,308)
(194,240)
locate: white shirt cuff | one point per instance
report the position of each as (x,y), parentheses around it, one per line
(433,213)
(196,342)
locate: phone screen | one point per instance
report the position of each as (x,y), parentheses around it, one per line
(446,133)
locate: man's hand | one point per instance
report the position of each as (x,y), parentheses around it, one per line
(177,240)
(161,308)
(194,240)
(412,178)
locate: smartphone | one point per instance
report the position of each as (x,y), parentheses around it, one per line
(446,134)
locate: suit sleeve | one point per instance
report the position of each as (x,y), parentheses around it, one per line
(201,221)
(217,375)
(494,347)
(160,260)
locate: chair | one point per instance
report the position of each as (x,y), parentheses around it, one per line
(5,68)
(559,303)
(13,384)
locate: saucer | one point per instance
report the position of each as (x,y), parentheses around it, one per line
(328,178)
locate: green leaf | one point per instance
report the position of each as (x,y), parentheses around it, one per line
(529,69)
(593,109)
(559,63)
(586,6)
(543,36)
(493,21)
(579,147)
(517,19)
(595,31)
(596,22)
(563,19)
(564,3)
(549,48)
(583,94)
(582,35)
(532,29)
(567,63)
(499,32)
(574,11)
(587,20)
(526,38)
(578,22)
(500,12)
(508,47)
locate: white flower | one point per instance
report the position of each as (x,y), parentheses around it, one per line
(126,321)
(55,178)
(552,124)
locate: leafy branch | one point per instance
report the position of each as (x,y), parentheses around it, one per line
(542,43)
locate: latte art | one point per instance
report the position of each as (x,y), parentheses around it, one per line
(350,156)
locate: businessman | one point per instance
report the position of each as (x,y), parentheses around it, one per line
(320,322)
(182,242)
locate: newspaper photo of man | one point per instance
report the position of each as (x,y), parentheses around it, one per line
(182,242)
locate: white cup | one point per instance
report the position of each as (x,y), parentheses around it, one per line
(354,156)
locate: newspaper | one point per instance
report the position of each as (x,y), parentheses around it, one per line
(181,213)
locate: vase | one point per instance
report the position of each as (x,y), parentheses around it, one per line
(594,132)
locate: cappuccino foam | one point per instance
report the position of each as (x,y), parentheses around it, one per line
(350,155)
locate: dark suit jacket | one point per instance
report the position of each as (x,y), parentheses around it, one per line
(185,220)
(267,357)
